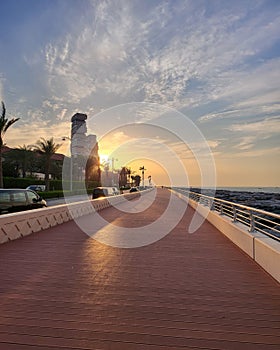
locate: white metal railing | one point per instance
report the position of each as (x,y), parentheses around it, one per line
(256,220)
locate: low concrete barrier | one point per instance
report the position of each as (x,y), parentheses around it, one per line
(263,249)
(17,225)
(267,254)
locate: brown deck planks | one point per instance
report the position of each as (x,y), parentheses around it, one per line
(59,289)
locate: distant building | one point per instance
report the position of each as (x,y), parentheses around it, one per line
(78,134)
(84,150)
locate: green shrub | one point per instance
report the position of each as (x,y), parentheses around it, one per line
(56,190)
(51,194)
(18,182)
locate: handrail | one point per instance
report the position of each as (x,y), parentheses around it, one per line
(256,220)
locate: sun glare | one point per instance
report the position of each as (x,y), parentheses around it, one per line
(103,158)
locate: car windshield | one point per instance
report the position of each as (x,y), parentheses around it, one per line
(100,191)
(4,196)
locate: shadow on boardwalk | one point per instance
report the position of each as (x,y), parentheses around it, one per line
(60,289)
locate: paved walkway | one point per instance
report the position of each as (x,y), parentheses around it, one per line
(60,289)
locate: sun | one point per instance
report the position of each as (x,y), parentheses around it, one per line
(103,158)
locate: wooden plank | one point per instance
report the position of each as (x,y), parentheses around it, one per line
(60,289)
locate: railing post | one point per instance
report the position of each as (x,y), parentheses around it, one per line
(252,222)
(221,209)
(234,213)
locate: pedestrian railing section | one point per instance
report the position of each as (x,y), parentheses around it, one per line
(256,220)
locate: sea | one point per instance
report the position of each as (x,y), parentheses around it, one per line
(249,189)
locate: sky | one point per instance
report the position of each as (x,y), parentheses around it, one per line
(214,64)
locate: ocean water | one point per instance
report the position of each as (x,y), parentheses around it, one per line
(252,189)
(249,189)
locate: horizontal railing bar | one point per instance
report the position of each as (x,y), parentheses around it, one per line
(239,205)
(244,214)
(267,220)
(269,227)
(269,234)
(244,222)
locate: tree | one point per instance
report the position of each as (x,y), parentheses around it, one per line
(10,164)
(124,176)
(136,179)
(47,149)
(5,123)
(25,157)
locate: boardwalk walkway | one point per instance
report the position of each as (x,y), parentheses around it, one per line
(60,289)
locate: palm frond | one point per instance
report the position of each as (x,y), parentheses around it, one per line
(9,123)
(47,147)
(3,110)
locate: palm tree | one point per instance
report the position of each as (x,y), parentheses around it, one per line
(124,176)
(25,156)
(5,123)
(47,149)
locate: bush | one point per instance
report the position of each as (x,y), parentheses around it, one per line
(56,190)
(51,194)
(18,182)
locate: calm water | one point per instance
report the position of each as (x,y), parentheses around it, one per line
(252,189)
(248,189)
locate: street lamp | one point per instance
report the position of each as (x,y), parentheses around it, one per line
(113,163)
(71,161)
(143,169)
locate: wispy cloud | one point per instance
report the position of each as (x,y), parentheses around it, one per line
(117,54)
(267,126)
(254,92)
(249,137)
(30,133)
(251,152)
(217,62)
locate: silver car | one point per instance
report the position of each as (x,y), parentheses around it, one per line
(13,200)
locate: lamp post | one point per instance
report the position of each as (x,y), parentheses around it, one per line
(71,161)
(143,169)
(113,163)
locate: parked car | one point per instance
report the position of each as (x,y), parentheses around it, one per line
(37,188)
(13,200)
(104,192)
(133,189)
(116,191)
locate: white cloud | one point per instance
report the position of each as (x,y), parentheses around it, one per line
(173,54)
(247,137)
(267,126)
(246,143)
(263,79)
(29,133)
(256,92)
(258,153)
(62,114)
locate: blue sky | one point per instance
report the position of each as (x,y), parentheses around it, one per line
(217,62)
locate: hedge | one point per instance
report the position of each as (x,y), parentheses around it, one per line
(55,185)
(18,182)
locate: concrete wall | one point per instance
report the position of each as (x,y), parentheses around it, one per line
(263,249)
(17,225)
(267,254)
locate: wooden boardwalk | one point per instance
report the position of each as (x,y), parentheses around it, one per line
(60,289)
